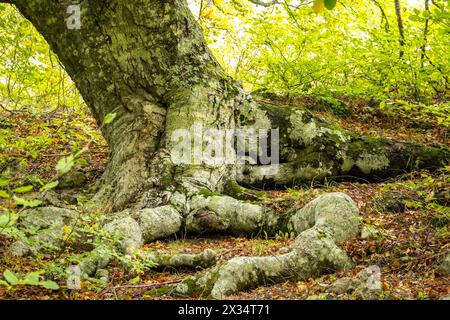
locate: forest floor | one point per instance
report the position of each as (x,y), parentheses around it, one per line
(411,213)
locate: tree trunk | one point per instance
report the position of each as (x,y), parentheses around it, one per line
(401,29)
(147,61)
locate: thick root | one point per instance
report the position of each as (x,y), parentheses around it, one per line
(314,252)
(205,259)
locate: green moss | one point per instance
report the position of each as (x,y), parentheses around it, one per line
(207,193)
(157,292)
(434,154)
(233,189)
(188,288)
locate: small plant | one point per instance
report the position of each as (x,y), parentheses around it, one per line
(29,279)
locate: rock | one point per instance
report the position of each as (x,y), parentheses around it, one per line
(391,202)
(45,217)
(97,259)
(18,249)
(45,228)
(340,286)
(444,264)
(366,285)
(129,232)
(72,179)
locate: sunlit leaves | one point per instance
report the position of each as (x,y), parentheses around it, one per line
(330,4)
(109,118)
(11,277)
(3,182)
(27,203)
(318,6)
(31,76)
(4,194)
(23,189)
(49,186)
(65,165)
(8,219)
(51,285)
(29,279)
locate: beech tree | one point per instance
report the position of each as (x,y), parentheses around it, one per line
(147,62)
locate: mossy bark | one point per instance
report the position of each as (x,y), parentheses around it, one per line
(314,150)
(323,222)
(148,62)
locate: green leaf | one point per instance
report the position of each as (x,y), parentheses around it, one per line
(3,182)
(27,203)
(330,4)
(135,280)
(11,277)
(31,279)
(65,165)
(49,186)
(109,118)
(4,283)
(24,189)
(7,220)
(51,285)
(318,6)
(4,194)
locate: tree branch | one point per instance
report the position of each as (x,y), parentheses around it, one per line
(264,4)
(401,28)
(383,14)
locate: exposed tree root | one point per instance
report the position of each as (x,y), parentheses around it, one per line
(314,252)
(205,259)
(329,218)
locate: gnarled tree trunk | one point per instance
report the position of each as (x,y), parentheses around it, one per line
(147,61)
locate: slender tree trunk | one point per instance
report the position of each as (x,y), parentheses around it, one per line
(401,29)
(425,34)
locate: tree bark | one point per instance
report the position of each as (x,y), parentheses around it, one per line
(147,61)
(401,29)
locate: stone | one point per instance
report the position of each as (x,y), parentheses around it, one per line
(18,249)
(370,232)
(366,285)
(72,179)
(45,217)
(44,227)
